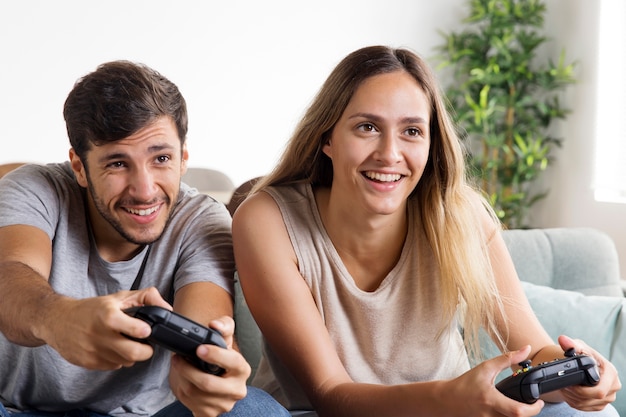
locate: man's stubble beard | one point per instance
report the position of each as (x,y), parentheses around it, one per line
(102,209)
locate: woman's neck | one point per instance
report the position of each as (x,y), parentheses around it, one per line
(369,245)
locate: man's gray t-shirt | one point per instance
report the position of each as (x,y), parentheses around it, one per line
(195,246)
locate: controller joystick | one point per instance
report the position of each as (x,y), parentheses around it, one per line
(570,353)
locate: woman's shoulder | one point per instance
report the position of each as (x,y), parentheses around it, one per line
(296,191)
(470,208)
(291,203)
(483,212)
(279,195)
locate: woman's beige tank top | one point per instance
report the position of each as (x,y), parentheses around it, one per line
(388,336)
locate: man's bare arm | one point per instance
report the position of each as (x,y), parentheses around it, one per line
(25,262)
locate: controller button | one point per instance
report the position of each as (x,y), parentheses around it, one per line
(570,353)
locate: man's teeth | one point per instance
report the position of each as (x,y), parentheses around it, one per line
(382,177)
(142,212)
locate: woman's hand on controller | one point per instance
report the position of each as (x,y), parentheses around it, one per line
(594,398)
(475,393)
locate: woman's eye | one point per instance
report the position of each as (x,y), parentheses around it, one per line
(413,131)
(367,127)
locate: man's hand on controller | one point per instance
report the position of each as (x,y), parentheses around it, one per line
(593,398)
(208,395)
(88,332)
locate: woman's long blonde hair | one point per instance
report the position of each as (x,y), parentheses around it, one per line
(446,199)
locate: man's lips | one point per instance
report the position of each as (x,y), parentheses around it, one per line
(143,215)
(141,212)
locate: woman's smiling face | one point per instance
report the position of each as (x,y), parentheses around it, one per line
(380,145)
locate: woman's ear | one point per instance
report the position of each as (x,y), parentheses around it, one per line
(327,149)
(79,169)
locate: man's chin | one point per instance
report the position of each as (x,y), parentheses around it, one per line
(142,238)
(147,241)
(142,234)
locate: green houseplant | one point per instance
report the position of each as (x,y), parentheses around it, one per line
(504,101)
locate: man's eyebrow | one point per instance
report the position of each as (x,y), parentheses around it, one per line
(113,157)
(160,147)
(123,155)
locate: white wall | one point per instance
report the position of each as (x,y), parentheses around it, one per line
(249,68)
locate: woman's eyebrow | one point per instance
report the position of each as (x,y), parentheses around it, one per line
(376,118)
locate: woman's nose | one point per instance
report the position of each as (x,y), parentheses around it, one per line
(388,149)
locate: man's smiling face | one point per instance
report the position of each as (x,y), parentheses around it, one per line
(133,183)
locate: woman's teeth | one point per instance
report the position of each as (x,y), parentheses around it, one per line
(382,177)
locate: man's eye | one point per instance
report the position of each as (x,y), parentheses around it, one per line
(163,158)
(117,164)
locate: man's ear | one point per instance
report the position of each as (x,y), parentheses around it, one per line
(185,158)
(79,169)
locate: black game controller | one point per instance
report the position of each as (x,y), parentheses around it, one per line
(527,384)
(178,334)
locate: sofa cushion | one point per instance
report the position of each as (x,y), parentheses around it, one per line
(576,259)
(247,332)
(595,319)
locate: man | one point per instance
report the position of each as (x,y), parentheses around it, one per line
(111,229)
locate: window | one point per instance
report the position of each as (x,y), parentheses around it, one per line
(610,163)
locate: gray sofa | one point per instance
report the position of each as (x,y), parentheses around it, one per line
(571,277)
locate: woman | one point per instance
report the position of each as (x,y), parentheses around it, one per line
(373,249)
